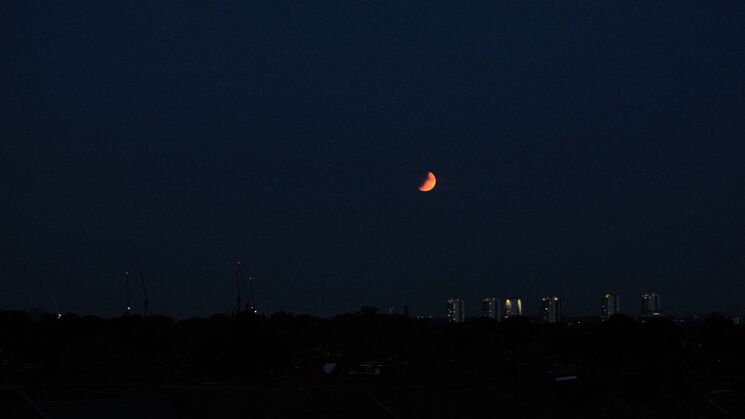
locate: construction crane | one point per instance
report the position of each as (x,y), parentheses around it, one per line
(144,293)
(251,303)
(253,298)
(241,278)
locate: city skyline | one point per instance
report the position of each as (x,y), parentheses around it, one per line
(491,307)
(535,309)
(550,308)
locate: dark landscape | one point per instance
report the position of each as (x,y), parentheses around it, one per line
(372,365)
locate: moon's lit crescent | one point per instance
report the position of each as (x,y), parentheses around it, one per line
(428,184)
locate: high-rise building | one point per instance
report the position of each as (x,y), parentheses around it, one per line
(455,310)
(608,306)
(650,304)
(490,308)
(550,310)
(513,306)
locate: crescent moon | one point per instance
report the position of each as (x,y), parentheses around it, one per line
(429,183)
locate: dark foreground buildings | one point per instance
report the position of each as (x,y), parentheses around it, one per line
(368,365)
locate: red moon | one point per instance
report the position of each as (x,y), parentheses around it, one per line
(428,184)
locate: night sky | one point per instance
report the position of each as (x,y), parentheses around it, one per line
(579,148)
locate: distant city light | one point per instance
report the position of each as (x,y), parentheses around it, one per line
(456,314)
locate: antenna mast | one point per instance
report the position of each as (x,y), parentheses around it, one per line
(126,280)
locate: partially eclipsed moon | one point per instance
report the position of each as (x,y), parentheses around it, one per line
(428,184)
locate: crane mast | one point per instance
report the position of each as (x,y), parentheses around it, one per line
(249,297)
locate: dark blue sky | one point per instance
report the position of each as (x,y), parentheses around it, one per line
(579,148)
